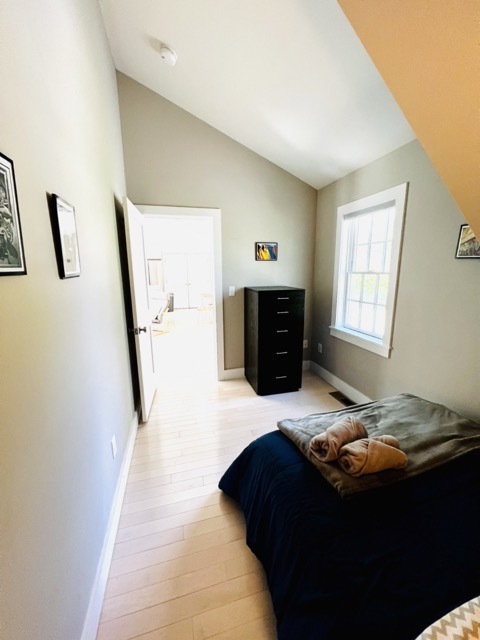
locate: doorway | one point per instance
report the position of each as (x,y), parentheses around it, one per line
(183,252)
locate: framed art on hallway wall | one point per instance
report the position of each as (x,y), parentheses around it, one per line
(64,228)
(12,257)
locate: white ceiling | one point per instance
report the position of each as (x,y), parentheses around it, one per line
(288,79)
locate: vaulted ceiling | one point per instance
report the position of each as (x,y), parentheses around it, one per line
(289,79)
(318,87)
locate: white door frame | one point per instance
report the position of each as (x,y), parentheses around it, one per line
(152,211)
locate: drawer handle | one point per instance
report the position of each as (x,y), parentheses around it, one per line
(282,330)
(287,298)
(283,311)
(282,353)
(280,377)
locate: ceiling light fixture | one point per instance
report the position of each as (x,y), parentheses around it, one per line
(168,55)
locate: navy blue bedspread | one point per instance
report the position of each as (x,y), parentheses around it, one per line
(383,564)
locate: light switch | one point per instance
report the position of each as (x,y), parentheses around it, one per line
(231,290)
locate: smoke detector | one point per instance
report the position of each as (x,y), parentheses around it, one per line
(168,55)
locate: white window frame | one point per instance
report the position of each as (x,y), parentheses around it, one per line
(397,198)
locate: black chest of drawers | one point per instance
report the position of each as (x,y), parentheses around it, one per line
(274,318)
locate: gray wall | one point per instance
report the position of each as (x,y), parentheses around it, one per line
(172,158)
(65,386)
(436,343)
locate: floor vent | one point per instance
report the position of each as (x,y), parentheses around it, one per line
(338,395)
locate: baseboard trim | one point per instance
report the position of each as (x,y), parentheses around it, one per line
(339,384)
(92,619)
(232,374)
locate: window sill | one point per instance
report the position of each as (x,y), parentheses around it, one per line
(360,341)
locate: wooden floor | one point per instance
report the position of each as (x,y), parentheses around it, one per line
(181,569)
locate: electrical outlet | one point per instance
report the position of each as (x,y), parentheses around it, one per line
(113,444)
(305,344)
(320,348)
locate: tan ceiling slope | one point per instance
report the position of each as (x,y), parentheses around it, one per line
(428,52)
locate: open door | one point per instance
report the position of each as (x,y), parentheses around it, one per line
(142,328)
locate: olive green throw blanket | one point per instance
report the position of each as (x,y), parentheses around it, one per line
(430,434)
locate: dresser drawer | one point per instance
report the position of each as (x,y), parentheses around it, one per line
(281,351)
(281,332)
(281,381)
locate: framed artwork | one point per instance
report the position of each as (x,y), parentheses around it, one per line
(12,256)
(467,246)
(266,251)
(64,230)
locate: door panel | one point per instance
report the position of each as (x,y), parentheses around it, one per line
(142,328)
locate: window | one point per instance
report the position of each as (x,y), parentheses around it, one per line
(369,234)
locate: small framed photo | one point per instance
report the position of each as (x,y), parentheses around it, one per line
(12,256)
(467,246)
(65,239)
(266,251)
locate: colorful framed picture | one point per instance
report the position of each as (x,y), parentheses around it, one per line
(266,251)
(12,256)
(467,246)
(64,228)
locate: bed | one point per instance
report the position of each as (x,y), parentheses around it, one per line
(384,558)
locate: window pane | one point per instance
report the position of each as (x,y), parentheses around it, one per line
(377,257)
(364,226)
(391,220)
(379,321)
(382,289)
(360,263)
(388,256)
(367,318)
(352,315)
(380,226)
(354,286)
(369,288)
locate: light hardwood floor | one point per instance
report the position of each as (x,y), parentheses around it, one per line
(181,569)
